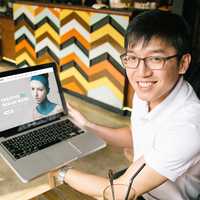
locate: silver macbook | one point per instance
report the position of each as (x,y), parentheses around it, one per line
(35,134)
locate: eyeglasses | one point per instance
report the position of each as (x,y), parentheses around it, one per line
(152,62)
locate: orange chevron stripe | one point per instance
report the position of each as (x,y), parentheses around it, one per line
(21,51)
(71,83)
(54,11)
(130,93)
(24,45)
(105,73)
(38,10)
(71,57)
(45,58)
(73,32)
(106,66)
(97,68)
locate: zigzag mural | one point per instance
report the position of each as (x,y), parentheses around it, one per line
(47,34)
(24,16)
(107,41)
(85,45)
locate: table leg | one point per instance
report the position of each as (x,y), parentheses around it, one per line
(51,179)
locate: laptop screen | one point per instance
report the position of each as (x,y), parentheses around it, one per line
(28,99)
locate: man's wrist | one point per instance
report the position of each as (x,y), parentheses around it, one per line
(62,173)
(90,126)
(87,125)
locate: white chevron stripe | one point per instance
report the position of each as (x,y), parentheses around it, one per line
(24,30)
(97,17)
(105,95)
(47,13)
(106,47)
(48,43)
(74,24)
(74,49)
(121,20)
(25,11)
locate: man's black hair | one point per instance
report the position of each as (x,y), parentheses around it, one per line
(167,26)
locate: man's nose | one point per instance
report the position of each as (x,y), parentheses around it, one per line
(143,69)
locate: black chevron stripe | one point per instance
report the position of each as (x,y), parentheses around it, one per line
(73,40)
(107,56)
(50,52)
(24,37)
(23,17)
(108,20)
(47,20)
(76,65)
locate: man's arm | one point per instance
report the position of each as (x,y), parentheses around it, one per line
(92,185)
(145,181)
(120,137)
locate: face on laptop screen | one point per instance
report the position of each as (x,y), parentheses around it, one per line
(28,98)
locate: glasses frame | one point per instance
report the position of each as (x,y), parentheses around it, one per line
(145,59)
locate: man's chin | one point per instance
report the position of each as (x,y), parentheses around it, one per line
(143,97)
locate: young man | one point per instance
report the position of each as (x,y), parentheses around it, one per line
(165,121)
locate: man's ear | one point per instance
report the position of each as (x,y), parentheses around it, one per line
(184,63)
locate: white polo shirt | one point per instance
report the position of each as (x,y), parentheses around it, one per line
(169,139)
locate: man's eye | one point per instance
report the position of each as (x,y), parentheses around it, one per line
(156,59)
(132,58)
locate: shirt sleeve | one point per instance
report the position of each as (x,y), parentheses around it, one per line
(175,150)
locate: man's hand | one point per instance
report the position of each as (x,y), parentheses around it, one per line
(76,117)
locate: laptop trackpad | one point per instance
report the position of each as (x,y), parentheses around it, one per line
(87,143)
(62,152)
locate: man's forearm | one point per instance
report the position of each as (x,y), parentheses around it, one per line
(86,183)
(120,137)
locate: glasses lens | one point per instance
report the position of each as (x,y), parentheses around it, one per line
(129,61)
(154,62)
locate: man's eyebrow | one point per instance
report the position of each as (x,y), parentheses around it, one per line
(150,51)
(157,51)
(130,51)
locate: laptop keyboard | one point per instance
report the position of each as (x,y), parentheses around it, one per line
(38,139)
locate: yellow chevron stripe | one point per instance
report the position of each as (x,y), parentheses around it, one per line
(104,81)
(85,16)
(67,73)
(16,7)
(94,84)
(47,28)
(25,56)
(30,8)
(107,29)
(64,13)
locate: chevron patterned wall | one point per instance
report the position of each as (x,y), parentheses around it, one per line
(85,45)
(24,17)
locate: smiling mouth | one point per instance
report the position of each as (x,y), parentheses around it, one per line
(146,84)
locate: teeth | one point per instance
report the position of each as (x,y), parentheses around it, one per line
(145,84)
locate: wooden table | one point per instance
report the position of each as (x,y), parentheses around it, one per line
(11,188)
